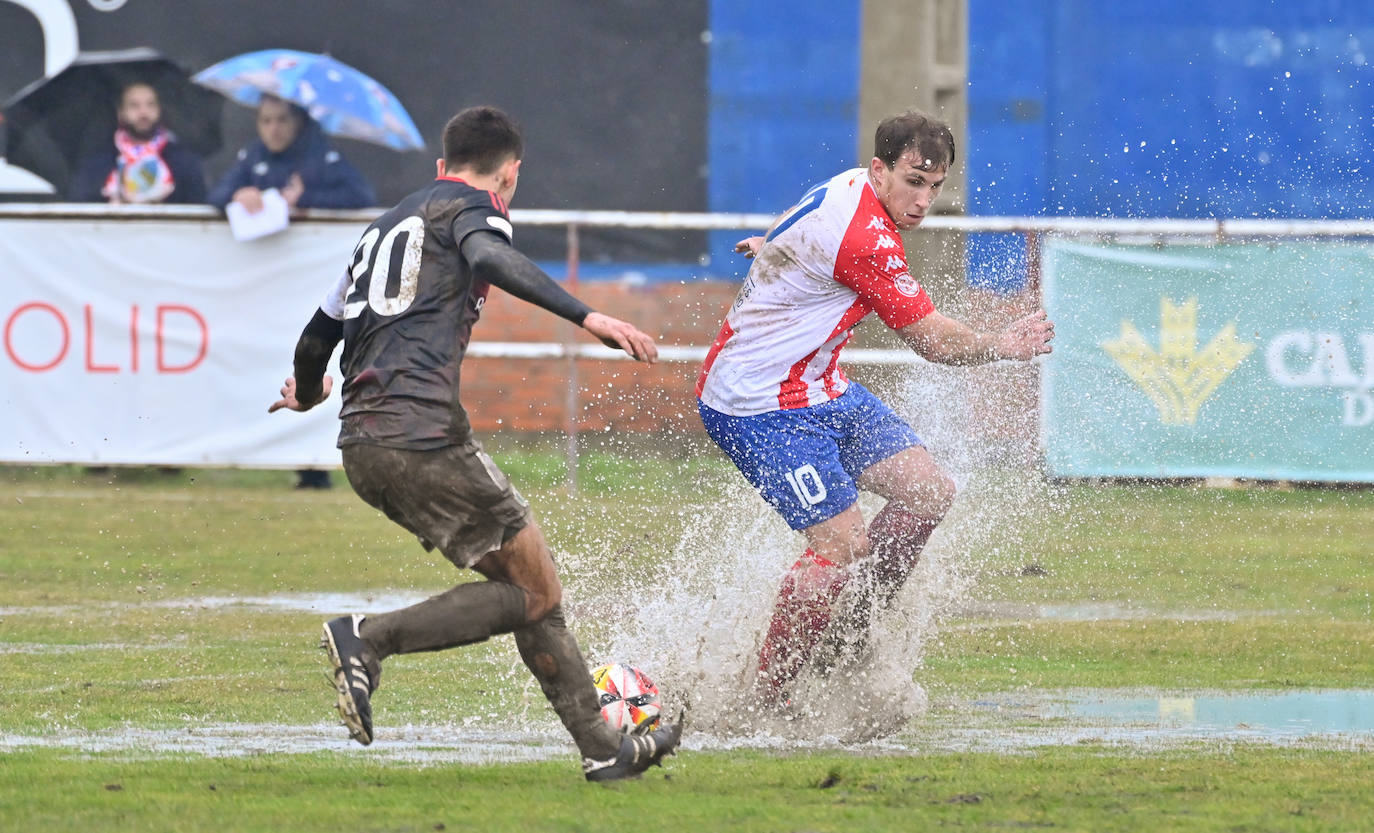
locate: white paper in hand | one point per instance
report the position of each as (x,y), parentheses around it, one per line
(274,217)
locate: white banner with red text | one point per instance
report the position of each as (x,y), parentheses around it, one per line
(161,342)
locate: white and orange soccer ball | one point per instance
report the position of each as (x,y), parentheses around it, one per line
(629,699)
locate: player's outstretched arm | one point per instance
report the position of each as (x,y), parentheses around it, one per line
(939,338)
(310,386)
(493,260)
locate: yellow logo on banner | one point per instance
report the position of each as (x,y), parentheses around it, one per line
(1178,377)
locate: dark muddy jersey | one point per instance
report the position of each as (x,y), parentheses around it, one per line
(408,302)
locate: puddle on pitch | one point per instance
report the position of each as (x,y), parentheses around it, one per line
(1090,612)
(1273,717)
(325,603)
(1295,713)
(321,603)
(1323,719)
(431,744)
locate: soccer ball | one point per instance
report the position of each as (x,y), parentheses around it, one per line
(629,699)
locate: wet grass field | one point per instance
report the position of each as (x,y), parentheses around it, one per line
(1109,657)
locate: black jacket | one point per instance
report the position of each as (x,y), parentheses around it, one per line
(329,180)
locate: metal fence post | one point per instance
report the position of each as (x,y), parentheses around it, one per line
(1033,263)
(570,374)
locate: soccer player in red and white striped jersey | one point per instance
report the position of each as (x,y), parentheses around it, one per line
(773,396)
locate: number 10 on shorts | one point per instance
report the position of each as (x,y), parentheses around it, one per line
(806,483)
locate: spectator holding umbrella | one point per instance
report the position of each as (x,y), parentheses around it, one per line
(144,163)
(299,97)
(292,155)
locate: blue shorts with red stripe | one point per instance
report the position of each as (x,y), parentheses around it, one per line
(806,461)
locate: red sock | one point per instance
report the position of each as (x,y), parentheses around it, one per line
(805,603)
(895,539)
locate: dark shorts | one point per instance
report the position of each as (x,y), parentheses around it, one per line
(806,461)
(454,498)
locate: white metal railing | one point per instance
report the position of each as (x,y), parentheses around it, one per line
(706,221)
(1031,228)
(666,353)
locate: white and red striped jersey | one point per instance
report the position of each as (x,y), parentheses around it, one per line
(830,260)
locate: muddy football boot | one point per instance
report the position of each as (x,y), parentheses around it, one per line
(637,753)
(352,679)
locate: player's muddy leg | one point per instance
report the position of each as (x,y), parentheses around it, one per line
(357,644)
(422,491)
(806,599)
(547,647)
(468,613)
(550,652)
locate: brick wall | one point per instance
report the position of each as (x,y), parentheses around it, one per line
(531,394)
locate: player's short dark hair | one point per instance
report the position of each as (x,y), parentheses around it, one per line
(481,138)
(914,129)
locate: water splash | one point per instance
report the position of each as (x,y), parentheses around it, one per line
(697,629)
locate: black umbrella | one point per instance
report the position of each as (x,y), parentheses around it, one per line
(53,123)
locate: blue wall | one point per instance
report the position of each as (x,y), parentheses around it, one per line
(783,99)
(1229,108)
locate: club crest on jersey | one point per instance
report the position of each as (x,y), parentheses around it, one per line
(906,284)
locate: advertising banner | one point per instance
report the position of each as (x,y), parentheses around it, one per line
(161,342)
(1250,360)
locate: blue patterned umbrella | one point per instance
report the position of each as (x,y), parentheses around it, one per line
(343,100)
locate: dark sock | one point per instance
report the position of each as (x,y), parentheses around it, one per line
(895,540)
(551,653)
(466,614)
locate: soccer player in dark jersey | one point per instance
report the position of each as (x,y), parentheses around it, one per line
(404,309)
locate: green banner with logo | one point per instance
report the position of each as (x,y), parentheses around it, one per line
(1250,360)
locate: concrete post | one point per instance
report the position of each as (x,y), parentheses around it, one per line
(915,55)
